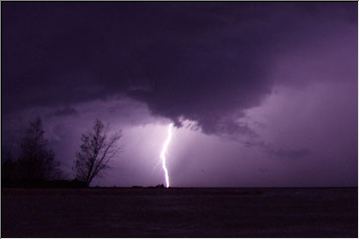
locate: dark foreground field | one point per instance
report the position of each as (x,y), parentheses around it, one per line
(229,212)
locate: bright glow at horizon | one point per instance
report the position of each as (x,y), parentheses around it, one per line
(163,154)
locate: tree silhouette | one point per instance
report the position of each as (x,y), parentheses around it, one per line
(96,151)
(36,161)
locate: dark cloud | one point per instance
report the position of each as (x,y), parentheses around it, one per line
(203,62)
(283,152)
(66,111)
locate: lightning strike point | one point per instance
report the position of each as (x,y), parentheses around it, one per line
(164,152)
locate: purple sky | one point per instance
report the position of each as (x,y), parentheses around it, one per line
(263,94)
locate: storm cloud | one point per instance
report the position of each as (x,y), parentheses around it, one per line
(206,63)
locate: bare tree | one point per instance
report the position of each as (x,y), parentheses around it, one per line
(96,150)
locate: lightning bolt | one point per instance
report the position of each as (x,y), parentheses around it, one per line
(163,154)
